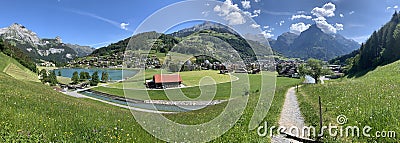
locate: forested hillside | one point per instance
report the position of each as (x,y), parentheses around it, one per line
(383,47)
(18,55)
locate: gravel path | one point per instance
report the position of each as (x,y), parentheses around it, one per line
(290,117)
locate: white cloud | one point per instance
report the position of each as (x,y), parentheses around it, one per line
(267,34)
(300,16)
(281,23)
(255,26)
(319,19)
(326,27)
(124,25)
(254,14)
(231,12)
(387,8)
(257,0)
(341,15)
(339,26)
(226,8)
(235,18)
(266,27)
(299,27)
(352,12)
(328,10)
(246,4)
(396,7)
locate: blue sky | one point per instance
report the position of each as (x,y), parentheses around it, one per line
(100,22)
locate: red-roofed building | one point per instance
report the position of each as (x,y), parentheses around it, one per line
(165,81)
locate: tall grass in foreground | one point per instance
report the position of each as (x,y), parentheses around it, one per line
(371,100)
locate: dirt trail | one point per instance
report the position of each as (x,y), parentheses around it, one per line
(290,117)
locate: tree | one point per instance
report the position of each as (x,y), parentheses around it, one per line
(104,77)
(87,75)
(82,76)
(59,73)
(43,74)
(313,68)
(53,78)
(95,79)
(75,78)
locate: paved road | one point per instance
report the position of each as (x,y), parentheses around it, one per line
(290,117)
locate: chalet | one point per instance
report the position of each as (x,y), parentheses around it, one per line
(162,81)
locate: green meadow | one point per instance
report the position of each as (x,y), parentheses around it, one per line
(50,116)
(371,100)
(13,68)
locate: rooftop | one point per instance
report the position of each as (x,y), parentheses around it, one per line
(167,78)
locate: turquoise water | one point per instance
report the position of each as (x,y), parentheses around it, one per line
(149,106)
(113,74)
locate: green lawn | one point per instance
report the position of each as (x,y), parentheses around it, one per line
(371,100)
(192,78)
(64,80)
(223,88)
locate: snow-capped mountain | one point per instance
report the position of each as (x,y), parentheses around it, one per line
(42,49)
(21,34)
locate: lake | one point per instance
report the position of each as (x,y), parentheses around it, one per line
(113,74)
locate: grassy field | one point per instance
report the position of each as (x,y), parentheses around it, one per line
(64,80)
(134,86)
(240,132)
(49,116)
(223,89)
(371,100)
(36,113)
(190,78)
(15,69)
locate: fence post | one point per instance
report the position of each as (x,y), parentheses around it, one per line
(320,115)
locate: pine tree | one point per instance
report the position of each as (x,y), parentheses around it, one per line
(43,74)
(95,79)
(104,77)
(82,76)
(75,78)
(53,78)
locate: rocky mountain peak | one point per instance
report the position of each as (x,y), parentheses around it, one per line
(19,33)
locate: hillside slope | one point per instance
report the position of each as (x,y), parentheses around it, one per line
(369,100)
(49,116)
(381,48)
(13,68)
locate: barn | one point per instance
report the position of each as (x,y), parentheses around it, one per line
(161,81)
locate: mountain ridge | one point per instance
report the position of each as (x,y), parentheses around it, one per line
(42,48)
(314,43)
